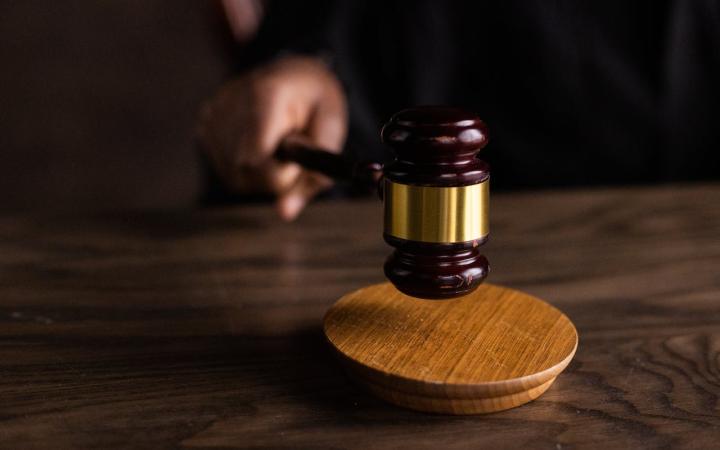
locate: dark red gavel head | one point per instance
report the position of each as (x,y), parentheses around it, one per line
(436,202)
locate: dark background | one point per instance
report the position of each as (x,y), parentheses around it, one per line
(98,101)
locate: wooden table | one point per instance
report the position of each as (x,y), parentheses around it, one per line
(202,329)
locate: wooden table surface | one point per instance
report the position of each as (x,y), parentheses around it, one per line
(202,329)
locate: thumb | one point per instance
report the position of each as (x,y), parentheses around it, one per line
(327,129)
(327,125)
(294,200)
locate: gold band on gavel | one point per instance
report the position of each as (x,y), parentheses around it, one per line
(437,214)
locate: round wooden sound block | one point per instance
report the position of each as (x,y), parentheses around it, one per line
(490,350)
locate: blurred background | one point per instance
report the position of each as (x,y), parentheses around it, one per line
(99,100)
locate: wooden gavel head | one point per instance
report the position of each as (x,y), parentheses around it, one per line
(436,202)
(435,194)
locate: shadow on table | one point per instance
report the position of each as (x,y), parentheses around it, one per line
(293,386)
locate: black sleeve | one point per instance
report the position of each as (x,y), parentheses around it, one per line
(290,27)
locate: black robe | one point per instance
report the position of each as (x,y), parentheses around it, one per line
(574,92)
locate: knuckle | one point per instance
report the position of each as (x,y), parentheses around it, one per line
(264,87)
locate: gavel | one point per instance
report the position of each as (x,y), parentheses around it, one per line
(435,194)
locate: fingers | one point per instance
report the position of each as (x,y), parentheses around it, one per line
(245,122)
(270,178)
(294,200)
(240,129)
(327,126)
(277,112)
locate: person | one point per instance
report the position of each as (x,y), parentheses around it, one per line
(610,92)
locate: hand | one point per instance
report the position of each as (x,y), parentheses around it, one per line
(241,127)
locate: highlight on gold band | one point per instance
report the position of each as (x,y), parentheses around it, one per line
(436,214)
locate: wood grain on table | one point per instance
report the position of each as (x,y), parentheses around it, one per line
(203,329)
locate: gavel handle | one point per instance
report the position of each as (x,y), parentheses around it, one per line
(297,148)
